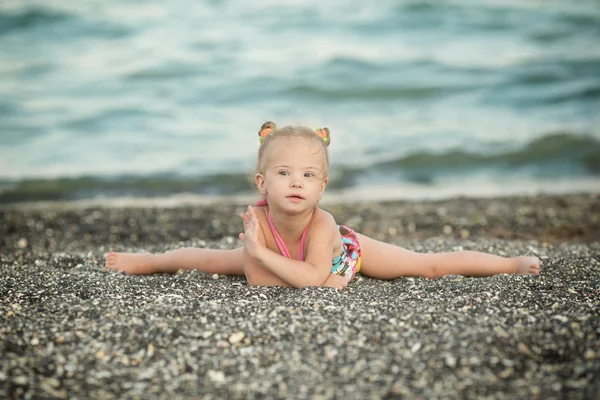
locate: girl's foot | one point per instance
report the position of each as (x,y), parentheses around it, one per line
(528,265)
(131,263)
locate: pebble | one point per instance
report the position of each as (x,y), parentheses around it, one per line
(216,376)
(236,337)
(525,350)
(589,354)
(415,347)
(450,361)
(20,380)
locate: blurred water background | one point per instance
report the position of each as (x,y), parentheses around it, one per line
(144,98)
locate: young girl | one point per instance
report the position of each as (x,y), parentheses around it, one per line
(290,241)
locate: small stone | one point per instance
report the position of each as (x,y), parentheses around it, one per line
(508,363)
(215,276)
(52,382)
(20,380)
(464,233)
(589,354)
(415,347)
(22,243)
(525,350)
(100,354)
(60,339)
(447,229)
(236,337)
(506,373)
(35,341)
(450,361)
(216,376)
(150,350)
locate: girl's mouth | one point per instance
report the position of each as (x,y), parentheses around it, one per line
(295,197)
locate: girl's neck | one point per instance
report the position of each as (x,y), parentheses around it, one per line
(291,226)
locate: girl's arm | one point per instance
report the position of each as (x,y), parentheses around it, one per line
(312,272)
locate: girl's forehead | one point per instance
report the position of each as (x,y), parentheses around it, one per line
(289,146)
(294,140)
(287,149)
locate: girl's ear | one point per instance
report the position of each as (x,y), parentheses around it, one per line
(325,182)
(259,179)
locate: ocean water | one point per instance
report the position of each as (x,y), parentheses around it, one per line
(104,98)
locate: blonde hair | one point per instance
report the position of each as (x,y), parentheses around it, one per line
(322,136)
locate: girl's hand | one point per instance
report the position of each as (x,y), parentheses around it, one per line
(250,234)
(336,281)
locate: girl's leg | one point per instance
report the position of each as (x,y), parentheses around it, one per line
(225,262)
(386,261)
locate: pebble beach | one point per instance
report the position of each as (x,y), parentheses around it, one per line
(70,329)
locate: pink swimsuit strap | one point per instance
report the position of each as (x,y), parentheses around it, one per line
(284,251)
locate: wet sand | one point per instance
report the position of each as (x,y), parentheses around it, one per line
(69,329)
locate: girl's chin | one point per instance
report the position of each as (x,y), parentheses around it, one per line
(295,206)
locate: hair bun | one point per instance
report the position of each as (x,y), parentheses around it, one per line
(325,134)
(267,125)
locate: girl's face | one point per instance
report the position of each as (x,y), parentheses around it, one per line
(295,174)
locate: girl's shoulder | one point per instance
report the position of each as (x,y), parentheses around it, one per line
(323,216)
(324,229)
(323,219)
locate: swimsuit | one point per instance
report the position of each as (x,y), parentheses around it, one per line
(347,264)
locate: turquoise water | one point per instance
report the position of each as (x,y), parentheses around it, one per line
(143,98)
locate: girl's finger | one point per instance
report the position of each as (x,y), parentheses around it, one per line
(251,212)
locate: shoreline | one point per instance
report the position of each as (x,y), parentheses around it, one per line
(353,195)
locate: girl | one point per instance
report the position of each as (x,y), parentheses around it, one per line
(290,241)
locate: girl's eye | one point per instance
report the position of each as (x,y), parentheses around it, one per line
(282,172)
(309,175)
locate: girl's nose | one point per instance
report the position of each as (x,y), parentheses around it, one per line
(296,182)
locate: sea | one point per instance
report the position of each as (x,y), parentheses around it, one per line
(148,99)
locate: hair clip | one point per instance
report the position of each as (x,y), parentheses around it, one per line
(323,133)
(263,133)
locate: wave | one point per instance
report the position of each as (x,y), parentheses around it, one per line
(555,156)
(30,18)
(554,149)
(374,93)
(87,187)
(52,25)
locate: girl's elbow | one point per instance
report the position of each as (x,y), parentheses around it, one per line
(314,281)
